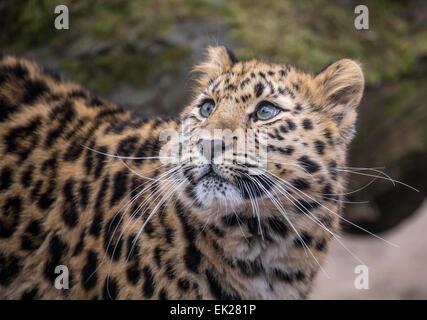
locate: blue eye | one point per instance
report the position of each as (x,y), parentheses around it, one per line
(206,108)
(266,111)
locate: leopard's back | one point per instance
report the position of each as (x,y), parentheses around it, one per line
(59,199)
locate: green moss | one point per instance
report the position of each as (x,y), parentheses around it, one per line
(309,34)
(314,33)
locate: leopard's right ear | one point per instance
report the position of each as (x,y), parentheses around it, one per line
(341,85)
(340,89)
(218,60)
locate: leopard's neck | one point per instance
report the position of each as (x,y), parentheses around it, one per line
(253,258)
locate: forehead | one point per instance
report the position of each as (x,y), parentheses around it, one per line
(256,78)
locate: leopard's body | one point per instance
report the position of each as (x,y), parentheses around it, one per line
(62,204)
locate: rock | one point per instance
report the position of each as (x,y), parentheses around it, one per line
(394,273)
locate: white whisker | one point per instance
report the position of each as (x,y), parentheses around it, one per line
(123,157)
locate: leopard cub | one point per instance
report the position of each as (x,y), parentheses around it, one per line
(87,185)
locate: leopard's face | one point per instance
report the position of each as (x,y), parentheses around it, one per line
(259,132)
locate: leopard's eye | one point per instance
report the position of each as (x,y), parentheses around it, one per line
(206,108)
(266,111)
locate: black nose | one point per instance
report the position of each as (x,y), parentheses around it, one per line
(211,149)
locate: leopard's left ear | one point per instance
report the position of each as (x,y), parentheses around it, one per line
(218,60)
(340,88)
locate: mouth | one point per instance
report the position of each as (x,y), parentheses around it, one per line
(250,186)
(212,173)
(212,189)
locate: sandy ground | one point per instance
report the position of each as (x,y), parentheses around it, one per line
(394,273)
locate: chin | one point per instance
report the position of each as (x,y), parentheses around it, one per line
(218,195)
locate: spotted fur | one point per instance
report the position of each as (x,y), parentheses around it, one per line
(63,201)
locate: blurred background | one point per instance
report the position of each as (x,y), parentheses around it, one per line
(139,55)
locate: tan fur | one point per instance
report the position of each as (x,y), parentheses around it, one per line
(59,199)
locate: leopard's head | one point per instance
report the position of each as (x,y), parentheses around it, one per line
(260,132)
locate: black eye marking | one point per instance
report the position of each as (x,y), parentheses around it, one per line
(206,108)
